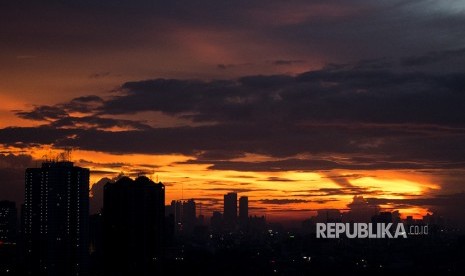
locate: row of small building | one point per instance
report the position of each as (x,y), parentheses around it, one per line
(184,214)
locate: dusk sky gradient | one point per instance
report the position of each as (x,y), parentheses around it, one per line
(300,105)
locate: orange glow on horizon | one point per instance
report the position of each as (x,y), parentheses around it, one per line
(278,195)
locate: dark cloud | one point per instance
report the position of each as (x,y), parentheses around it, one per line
(103,172)
(343,182)
(287,61)
(374,119)
(99,75)
(439,200)
(43,135)
(42,113)
(232,65)
(59,116)
(323,201)
(449,206)
(323,165)
(84,104)
(282,201)
(12,171)
(345,176)
(96,195)
(279,179)
(225,66)
(79,104)
(11,161)
(113,165)
(98,123)
(369,96)
(96,192)
(239,190)
(347,191)
(334,31)
(219,154)
(434,57)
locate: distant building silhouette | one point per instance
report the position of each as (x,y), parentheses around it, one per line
(184,214)
(257,225)
(189,215)
(134,214)
(328,215)
(216,222)
(409,220)
(433,219)
(230,210)
(176,210)
(56,215)
(8,221)
(395,216)
(243,211)
(382,217)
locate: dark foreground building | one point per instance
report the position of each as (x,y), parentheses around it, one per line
(8,246)
(8,217)
(56,213)
(134,213)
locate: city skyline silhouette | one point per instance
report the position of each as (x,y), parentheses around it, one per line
(137,232)
(267,120)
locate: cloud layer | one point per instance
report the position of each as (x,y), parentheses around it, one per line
(345,117)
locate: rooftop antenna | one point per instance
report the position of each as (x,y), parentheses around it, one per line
(68,152)
(61,157)
(44,160)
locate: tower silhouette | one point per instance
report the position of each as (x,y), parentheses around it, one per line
(134,214)
(56,214)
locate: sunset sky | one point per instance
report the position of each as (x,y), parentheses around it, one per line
(299,105)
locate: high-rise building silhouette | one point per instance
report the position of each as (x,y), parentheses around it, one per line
(243,211)
(189,215)
(216,222)
(230,210)
(8,221)
(56,213)
(184,215)
(176,208)
(133,215)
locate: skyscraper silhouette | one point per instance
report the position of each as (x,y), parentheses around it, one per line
(189,215)
(230,210)
(184,214)
(56,212)
(175,212)
(133,213)
(243,211)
